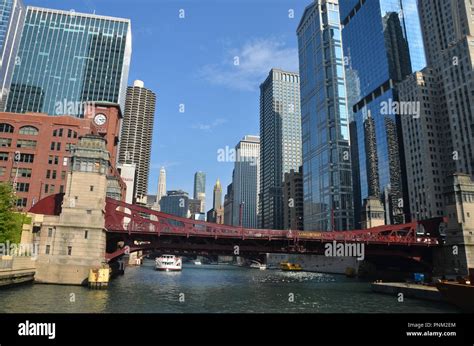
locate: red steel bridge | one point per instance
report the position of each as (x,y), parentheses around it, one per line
(140,228)
(132,228)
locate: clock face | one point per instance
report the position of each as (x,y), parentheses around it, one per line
(100,119)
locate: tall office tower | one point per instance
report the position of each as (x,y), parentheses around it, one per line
(68,59)
(200,189)
(246,182)
(217,196)
(228,205)
(382,45)
(280,141)
(12,17)
(293,193)
(428,147)
(443,24)
(161,185)
(176,202)
(216,214)
(440,138)
(137,131)
(327,174)
(450,50)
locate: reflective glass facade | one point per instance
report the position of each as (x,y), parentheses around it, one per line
(12,15)
(382,45)
(66,59)
(280,141)
(327,174)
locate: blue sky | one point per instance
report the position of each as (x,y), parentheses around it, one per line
(190,61)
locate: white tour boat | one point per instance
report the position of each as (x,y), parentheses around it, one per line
(168,263)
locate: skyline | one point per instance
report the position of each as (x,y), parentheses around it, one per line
(207,124)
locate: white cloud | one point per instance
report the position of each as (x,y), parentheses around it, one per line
(256,58)
(210,126)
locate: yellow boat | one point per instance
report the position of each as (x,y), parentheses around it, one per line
(287,266)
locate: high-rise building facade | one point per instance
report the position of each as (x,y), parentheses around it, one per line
(327,174)
(228,205)
(161,186)
(382,45)
(67,59)
(137,131)
(12,17)
(216,214)
(280,141)
(176,202)
(200,189)
(246,182)
(439,139)
(293,195)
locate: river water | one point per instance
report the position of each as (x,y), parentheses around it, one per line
(213,288)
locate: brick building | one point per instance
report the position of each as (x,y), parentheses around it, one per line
(35,149)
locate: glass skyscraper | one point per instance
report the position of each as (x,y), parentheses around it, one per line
(280,141)
(12,16)
(382,45)
(200,189)
(327,174)
(67,59)
(246,182)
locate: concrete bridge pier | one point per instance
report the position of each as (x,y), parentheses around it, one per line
(457,254)
(73,242)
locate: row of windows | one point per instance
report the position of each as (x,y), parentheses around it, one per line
(70,133)
(25,130)
(21,143)
(33,131)
(27,158)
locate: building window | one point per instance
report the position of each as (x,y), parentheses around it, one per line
(28,158)
(26,143)
(71,133)
(63,175)
(86,234)
(53,160)
(22,187)
(2,171)
(6,128)
(53,174)
(29,130)
(91,188)
(21,172)
(3,156)
(50,232)
(48,174)
(5,142)
(69,250)
(46,188)
(61,188)
(58,133)
(21,202)
(48,248)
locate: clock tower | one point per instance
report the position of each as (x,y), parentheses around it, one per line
(105,120)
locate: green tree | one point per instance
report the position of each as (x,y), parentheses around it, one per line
(10,222)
